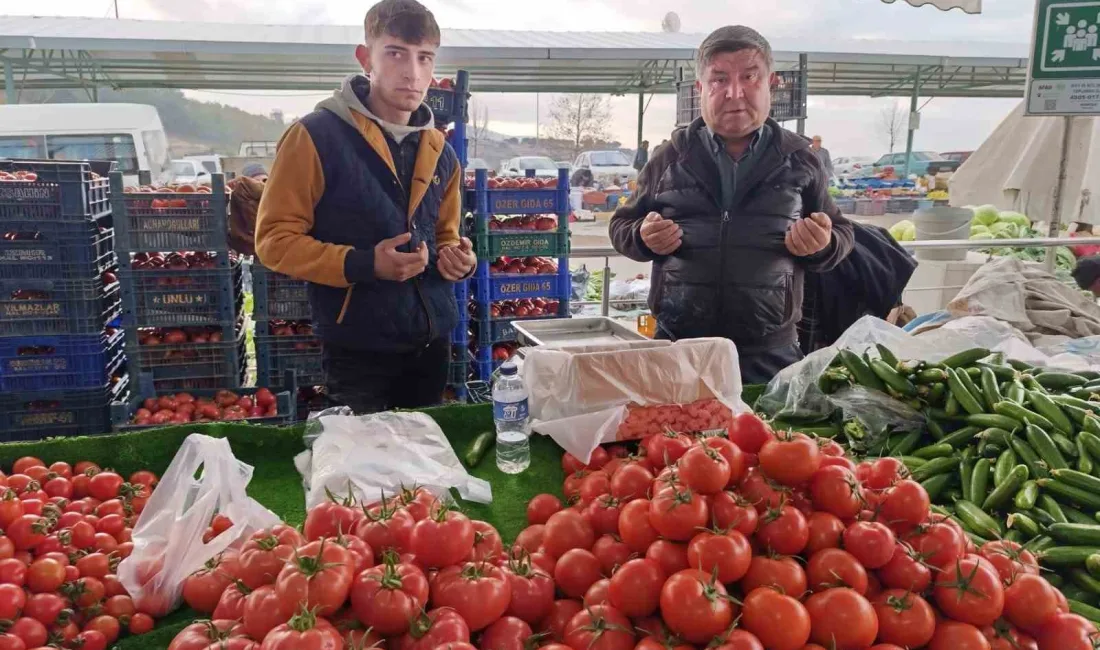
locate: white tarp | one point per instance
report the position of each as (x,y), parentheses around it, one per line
(1016,168)
(969,6)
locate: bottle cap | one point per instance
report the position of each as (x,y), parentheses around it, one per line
(508,369)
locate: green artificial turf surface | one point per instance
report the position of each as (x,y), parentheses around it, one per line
(277,484)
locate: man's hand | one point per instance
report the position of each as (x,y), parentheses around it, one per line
(457,261)
(391,264)
(661,235)
(809,236)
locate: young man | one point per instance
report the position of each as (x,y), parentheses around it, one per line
(364,202)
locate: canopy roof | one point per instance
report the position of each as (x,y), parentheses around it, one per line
(67,52)
(969,6)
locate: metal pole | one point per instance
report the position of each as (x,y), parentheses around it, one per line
(605,299)
(9,83)
(1059,190)
(641,116)
(912,112)
(802,64)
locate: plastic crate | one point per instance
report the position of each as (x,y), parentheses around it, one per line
(442,103)
(507,286)
(161,221)
(64,191)
(189,366)
(460,335)
(500,330)
(485,201)
(55,250)
(870,207)
(30,363)
(275,355)
(846,206)
(57,307)
(122,411)
(278,296)
(457,371)
(163,298)
(491,244)
(45,414)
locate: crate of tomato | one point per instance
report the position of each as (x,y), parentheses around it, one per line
(41,307)
(519,236)
(283,346)
(52,190)
(175,218)
(30,363)
(188,358)
(514,278)
(278,296)
(182,288)
(494,324)
(518,195)
(55,250)
(43,414)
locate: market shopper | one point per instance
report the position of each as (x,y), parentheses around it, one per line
(364,202)
(641,157)
(732,212)
(822,154)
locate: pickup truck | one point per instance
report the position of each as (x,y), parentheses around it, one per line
(921,163)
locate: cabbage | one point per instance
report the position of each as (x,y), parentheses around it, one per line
(979,228)
(1003,230)
(985,215)
(981,235)
(1016,218)
(903,231)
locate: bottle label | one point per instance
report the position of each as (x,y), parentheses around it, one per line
(510,411)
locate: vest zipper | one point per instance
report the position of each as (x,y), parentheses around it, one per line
(416,282)
(722,266)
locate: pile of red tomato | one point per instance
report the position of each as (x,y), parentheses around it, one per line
(65,530)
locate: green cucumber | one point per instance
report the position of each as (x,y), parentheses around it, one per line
(1042,516)
(1091,442)
(1048,505)
(1028,457)
(1051,411)
(1042,444)
(1002,373)
(1084,458)
(932,468)
(935,429)
(1006,490)
(1082,579)
(1073,494)
(936,485)
(1021,414)
(967,381)
(478,448)
(1039,545)
(1024,524)
(1076,516)
(1084,610)
(1077,479)
(977,521)
(993,420)
(887,355)
(966,399)
(1005,462)
(951,407)
(862,374)
(1067,556)
(999,436)
(990,390)
(1065,445)
(1069,400)
(911,463)
(961,437)
(1027,496)
(979,481)
(931,376)
(1092,564)
(1075,534)
(966,472)
(1021,366)
(939,450)
(1060,380)
(905,445)
(965,358)
(892,379)
(1016,392)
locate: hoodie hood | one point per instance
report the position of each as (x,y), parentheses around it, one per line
(352,97)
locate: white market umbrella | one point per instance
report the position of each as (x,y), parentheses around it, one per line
(969,6)
(1016,168)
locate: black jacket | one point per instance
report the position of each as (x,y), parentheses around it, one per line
(732,275)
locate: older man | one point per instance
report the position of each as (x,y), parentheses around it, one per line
(732,212)
(822,154)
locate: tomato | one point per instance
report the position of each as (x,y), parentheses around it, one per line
(601,627)
(571,464)
(319,576)
(532,591)
(26,462)
(704,470)
(611,553)
(264,610)
(836,490)
(905,504)
(32,632)
(530,538)
(567,530)
(761,492)
(384,527)
(842,619)
(970,592)
(631,482)
(91,640)
(541,507)
(749,432)
(784,531)
(726,555)
(263,556)
(11,508)
(108,625)
(870,542)
(635,588)
(480,593)
(28,531)
(1029,601)
(11,642)
(1009,559)
(665,449)
(729,510)
(953,635)
(58,487)
(832,567)
(12,600)
(304,631)
(635,529)
(434,628)
(598,593)
(119,606)
(790,458)
(884,472)
(905,571)
(105,485)
(200,634)
(202,590)
(677,514)
(594,485)
(824,531)
(1003,636)
(96,565)
(904,618)
(231,604)
(45,575)
(45,608)
(672,556)
(1067,632)
(603,514)
(387,596)
(695,606)
(86,592)
(561,613)
(507,633)
(443,539)
(141,624)
(782,573)
(940,544)
(142,477)
(778,621)
(13,572)
(106,543)
(576,571)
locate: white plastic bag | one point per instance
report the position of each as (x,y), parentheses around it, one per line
(378,454)
(579,394)
(167,538)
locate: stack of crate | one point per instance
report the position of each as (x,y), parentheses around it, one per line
(511,225)
(61,360)
(284,339)
(181,288)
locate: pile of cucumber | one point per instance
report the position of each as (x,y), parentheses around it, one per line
(1010,450)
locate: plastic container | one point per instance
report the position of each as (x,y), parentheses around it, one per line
(508,286)
(276,355)
(40,307)
(163,298)
(277,296)
(64,191)
(30,363)
(940,224)
(512,420)
(55,250)
(870,207)
(152,221)
(46,414)
(189,366)
(490,244)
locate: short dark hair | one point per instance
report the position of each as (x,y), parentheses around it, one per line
(407,20)
(731,38)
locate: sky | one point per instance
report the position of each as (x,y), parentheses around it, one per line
(849,125)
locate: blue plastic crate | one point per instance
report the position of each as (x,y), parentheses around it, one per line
(460,335)
(508,286)
(40,307)
(485,201)
(462,293)
(442,103)
(190,366)
(55,250)
(277,296)
(457,372)
(275,355)
(163,298)
(30,363)
(64,191)
(46,414)
(151,221)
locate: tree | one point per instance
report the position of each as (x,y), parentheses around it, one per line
(892,123)
(480,126)
(580,119)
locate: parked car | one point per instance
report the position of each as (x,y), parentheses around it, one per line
(921,163)
(958,156)
(189,172)
(544,167)
(850,166)
(211,163)
(474,164)
(611,167)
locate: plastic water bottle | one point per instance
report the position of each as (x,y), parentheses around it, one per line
(511,418)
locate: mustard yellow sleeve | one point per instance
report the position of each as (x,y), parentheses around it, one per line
(285,218)
(447,227)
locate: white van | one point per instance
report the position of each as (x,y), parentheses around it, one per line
(130,134)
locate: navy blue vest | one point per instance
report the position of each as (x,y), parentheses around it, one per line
(364,203)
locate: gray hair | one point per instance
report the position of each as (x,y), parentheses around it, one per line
(731,38)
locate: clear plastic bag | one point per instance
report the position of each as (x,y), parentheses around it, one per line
(167,537)
(377,454)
